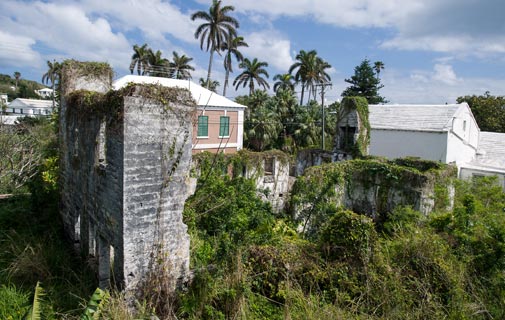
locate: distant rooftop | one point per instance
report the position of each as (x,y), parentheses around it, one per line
(413,117)
(31,103)
(202,96)
(491,153)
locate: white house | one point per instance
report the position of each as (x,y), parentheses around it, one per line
(219,126)
(447,133)
(44,92)
(490,158)
(30,107)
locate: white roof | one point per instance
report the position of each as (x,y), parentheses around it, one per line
(202,96)
(30,103)
(491,153)
(45,90)
(412,117)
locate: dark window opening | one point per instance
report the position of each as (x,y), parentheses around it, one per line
(269,166)
(347,137)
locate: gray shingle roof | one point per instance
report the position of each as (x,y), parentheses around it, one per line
(412,117)
(491,149)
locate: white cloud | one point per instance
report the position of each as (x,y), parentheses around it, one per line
(66,29)
(342,13)
(154,18)
(437,86)
(467,27)
(16,50)
(445,73)
(269,46)
(442,73)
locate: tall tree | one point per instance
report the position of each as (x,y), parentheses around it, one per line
(179,66)
(209,84)
(365,83)
(17,76)
(140,59)
(230,48)
(218,27)
(309,70)
(488,110)
(253,72)
(157,66)
(52,75)
(284,82)
(378,67)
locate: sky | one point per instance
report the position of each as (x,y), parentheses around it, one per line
(433,50)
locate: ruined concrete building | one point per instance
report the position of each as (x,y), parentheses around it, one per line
(125,157)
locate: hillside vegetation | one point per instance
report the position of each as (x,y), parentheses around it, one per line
(25,88)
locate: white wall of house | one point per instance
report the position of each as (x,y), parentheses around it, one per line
(398,143)
(468,173)
(463,138)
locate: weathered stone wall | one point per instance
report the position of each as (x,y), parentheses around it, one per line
(312,157)
(124,162)
(373,187)
(156,175)
(272,176)
(270,170)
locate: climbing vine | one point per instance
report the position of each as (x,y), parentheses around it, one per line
(321,190)
(360,104)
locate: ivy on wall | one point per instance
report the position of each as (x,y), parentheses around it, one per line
(320,191)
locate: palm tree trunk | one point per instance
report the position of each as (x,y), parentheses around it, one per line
(301,97)
(226,82)
(210,66)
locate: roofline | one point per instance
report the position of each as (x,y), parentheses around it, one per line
(412,130)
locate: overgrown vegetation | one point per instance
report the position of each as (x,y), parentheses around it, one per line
(24,89)
(250,263)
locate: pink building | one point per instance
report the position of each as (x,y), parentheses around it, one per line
(219,124)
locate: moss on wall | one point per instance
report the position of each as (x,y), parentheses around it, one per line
(321,190)
(237,163)
(99,104)
(360,104)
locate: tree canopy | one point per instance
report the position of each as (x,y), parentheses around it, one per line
(217,28)
(366,83)
(488,110)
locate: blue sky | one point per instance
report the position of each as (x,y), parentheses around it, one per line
(433,50)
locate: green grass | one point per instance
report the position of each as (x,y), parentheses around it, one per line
(33,248)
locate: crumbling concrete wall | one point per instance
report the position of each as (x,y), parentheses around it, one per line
(373,187)
(312,157)
(270,170)
(272,177)
(124,160)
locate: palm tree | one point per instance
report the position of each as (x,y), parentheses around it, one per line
(17,75)
(217,28)
(53,74)
(157,66)
(262,128)
(378,66)
(140,59)
(284,82)
(180,66)
(231,48)
(253,72)
(310,70)
(209,84)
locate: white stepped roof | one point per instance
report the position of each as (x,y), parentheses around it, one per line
(412,117)
(202,96)
(491,152)
(31,103)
